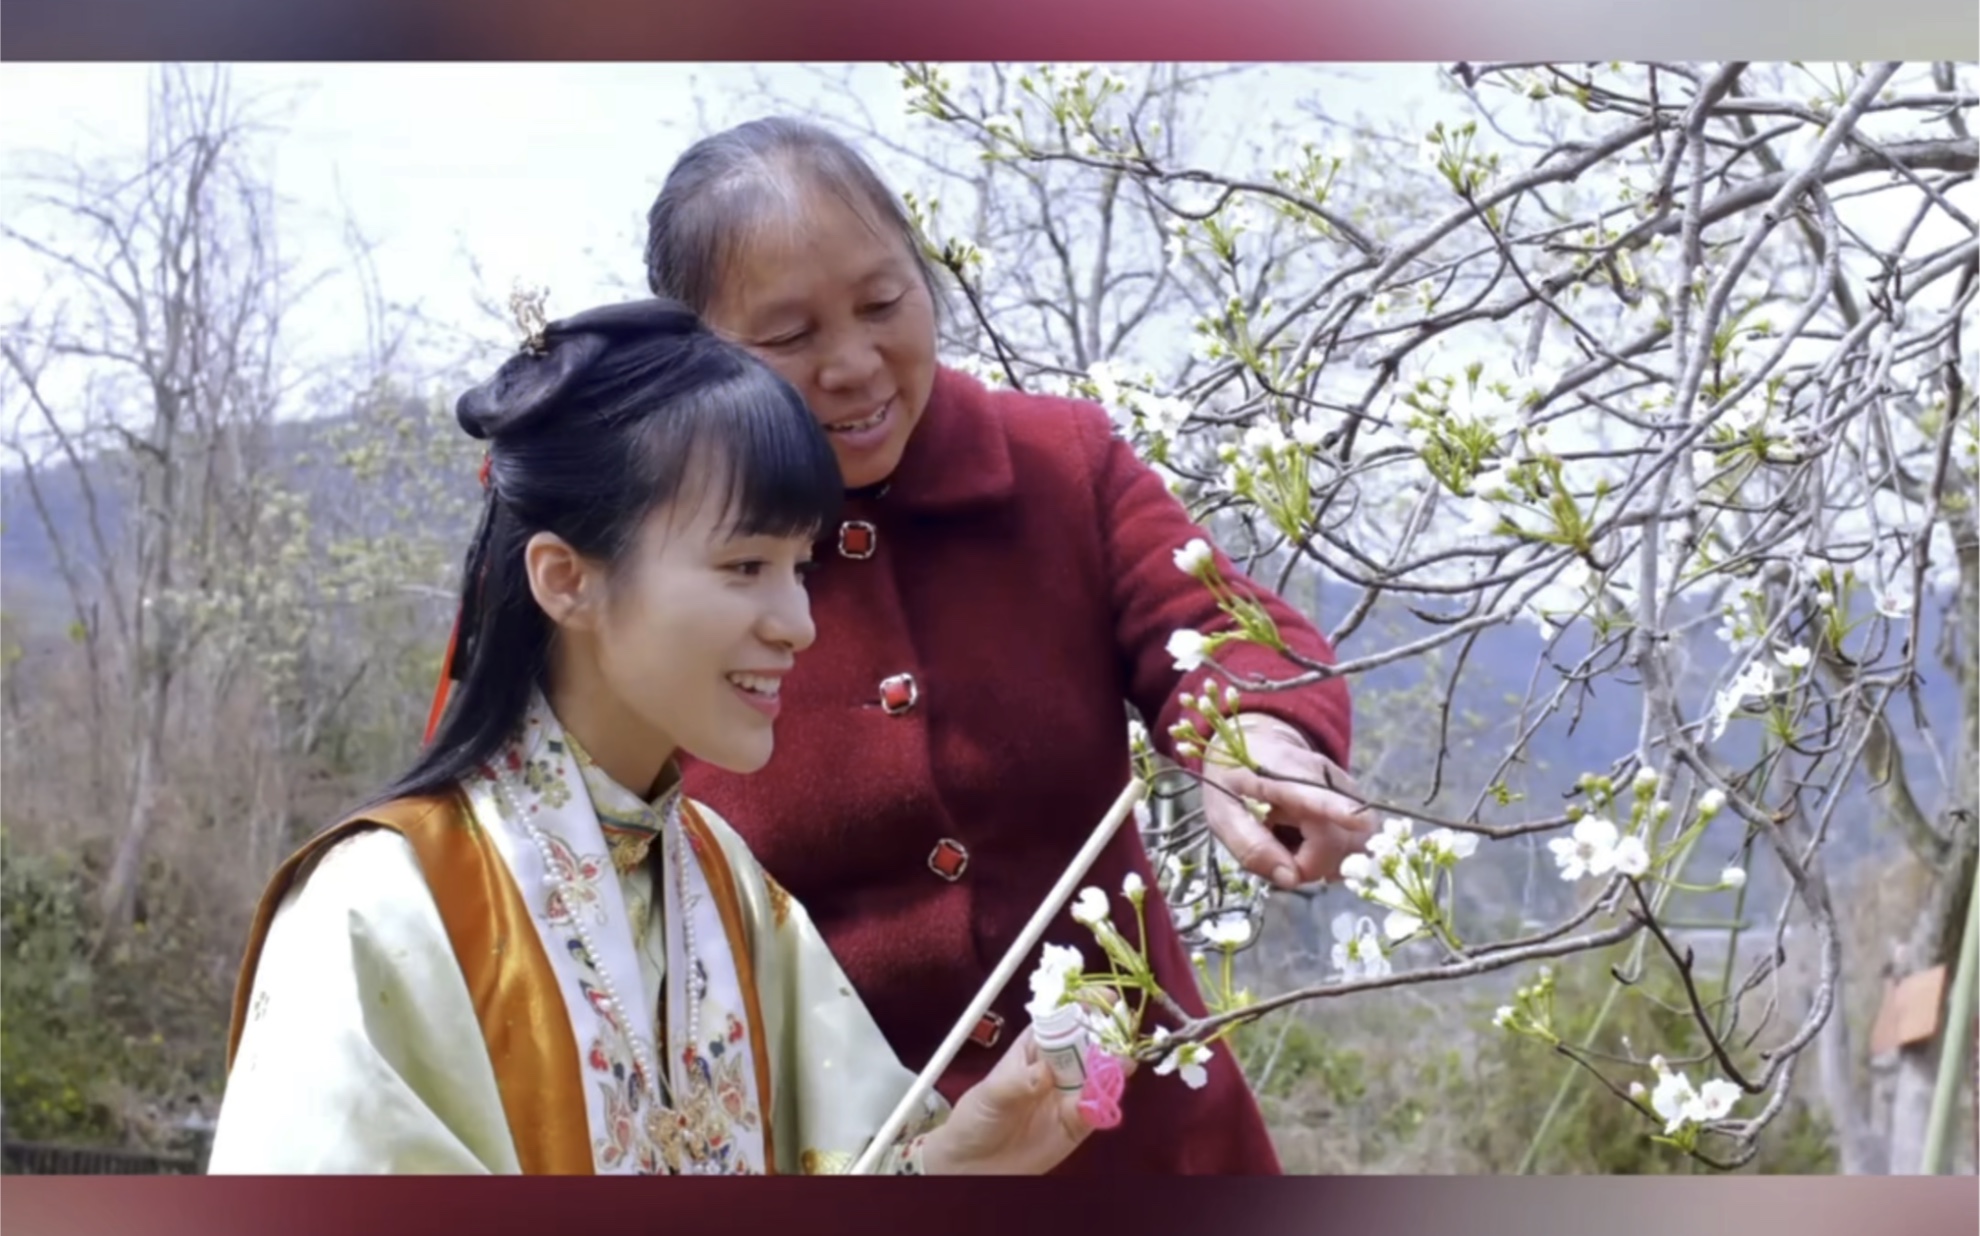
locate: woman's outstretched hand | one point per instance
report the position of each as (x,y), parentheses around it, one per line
(1015,1122)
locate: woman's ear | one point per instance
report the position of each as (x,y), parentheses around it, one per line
(563,582)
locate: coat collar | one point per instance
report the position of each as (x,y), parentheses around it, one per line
(959,457)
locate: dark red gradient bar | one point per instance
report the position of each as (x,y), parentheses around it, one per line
(1448,1206)
(1004,29)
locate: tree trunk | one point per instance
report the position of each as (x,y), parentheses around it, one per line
(1934,941)
(120,886)
(1860,1151)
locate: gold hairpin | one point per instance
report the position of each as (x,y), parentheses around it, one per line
(526,305)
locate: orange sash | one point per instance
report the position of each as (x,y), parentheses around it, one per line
(523,1020)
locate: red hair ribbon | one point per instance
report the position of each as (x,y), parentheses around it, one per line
(444,688)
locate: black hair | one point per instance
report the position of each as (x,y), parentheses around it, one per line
(598,422)
(727,182)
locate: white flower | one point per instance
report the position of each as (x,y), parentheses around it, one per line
(1590,850)
(1448,843)
(1133,888)
(1637,1090)
(1733,877)
(1630,857)
(1755,680)
(1090,907)
(1794,658)
(1105,381)
(1671,1099)
(1187,1061)
(1357,872)
(1228,931)
(1713,1101)
(1646,779)
(1137,735)
(1894,602)
(1188,648)
(1503,1018)
(1056,967)
(1166,413)
(1394,839)
(1825,599)
(1357,949)
(1704,466)
(1711,802)
(1308,434)
(1178,246)
(1401,924)
(1195,558)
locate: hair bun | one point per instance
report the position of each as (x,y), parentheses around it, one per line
(531,384)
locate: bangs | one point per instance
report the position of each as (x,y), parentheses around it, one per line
(753,445)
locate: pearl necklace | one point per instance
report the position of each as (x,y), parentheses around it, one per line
(671,836)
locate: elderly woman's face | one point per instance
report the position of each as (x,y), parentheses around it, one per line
(832,299)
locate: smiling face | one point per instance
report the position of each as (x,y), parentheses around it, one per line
(832,298)
(682,648)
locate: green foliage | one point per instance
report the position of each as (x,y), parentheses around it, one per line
(85,1041)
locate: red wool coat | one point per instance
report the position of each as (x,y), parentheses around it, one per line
(1020,569)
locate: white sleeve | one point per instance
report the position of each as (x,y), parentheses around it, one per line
(361,1052)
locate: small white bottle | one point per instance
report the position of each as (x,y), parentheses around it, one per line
(1061,1037)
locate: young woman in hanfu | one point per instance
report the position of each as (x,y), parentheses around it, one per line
(532,953)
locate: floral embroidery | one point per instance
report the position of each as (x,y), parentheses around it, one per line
(700,1122)
(576,875)
(545,778)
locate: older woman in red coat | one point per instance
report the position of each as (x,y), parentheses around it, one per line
(1003,579)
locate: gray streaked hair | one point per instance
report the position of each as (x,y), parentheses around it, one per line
(741,178)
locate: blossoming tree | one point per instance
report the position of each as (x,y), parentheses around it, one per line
(1626,353)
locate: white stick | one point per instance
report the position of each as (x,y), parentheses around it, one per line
(1013,958)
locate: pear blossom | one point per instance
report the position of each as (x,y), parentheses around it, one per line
(1105,381)
(1894,602)
(1357,949)
(1755,680)
(1589,850)
(1669,1100)
(1133,887)
(1678,1104)
(1186,1061)
(1451,845)
(1195,558)
(1228,931)
(1711,802)
(1715,1100)
(1630,857)
(1400,925)
(1393,840)
(1090,907)
(1794,658)
(1358,872)
(1733,877)
(1503,1017)
(1646,780)
(1049,982)
(1188,648)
